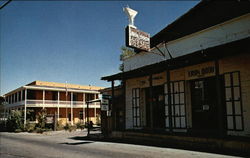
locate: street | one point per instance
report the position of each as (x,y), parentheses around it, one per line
(64,145)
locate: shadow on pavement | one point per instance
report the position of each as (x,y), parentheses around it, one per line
(77,143)
(100,138)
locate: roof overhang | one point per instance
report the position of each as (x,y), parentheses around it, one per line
(209,54)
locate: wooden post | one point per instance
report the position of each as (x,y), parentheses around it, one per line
(151,100)
(169,101)
(221,109)
(112,106)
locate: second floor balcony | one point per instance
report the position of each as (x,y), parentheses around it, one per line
(54,103)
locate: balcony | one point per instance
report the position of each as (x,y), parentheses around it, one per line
(55,104)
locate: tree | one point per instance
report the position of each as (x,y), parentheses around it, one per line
(125,53)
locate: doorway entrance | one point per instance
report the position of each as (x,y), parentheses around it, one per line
(204,108)
(158,110)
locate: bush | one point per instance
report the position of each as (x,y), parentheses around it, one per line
(15,121)
(69,128)
(41,118)
(30,127)
(80,125)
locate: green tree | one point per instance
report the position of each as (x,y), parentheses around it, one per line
(125,53)
(15,121)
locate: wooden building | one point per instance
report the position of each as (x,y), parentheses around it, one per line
(195,79)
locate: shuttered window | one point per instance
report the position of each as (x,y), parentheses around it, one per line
(178,105)
(233,101)
(136,107)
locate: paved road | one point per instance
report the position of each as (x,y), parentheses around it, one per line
(61,144)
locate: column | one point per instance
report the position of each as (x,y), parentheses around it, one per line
(71,108)
(58,102)
(21,95)
(112,106)
(43,98)
(95,107)
(169,100)
(221,109)
(151,100)
(17,96)
(83,109)
(25,106)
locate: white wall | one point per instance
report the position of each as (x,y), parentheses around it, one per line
(232,30)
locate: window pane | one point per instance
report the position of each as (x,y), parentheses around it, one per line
(138,111)
(227,80)
(230,122)
(166,99)
(138,102)
(166,110)
(167,122)
(176,98)
(182,98)
(177,113)
(134,121)
(237,108)
(134,112)
(236,79)
(182,107)
(165,88)
(171,89)
(238,122)
(183,122)
(181,83)
(137,92)
(236,93)
(228,94)
(177,122)
(229,108)
(138,122)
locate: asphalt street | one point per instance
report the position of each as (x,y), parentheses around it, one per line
(61,144)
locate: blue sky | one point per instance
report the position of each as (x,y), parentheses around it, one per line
(77,41)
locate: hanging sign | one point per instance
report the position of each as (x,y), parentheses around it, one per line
(137,39)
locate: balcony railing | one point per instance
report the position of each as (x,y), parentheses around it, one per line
(55,103)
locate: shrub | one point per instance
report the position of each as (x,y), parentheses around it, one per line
(41,118)
(15,121)
(69,128)
(80,125)
(30,127)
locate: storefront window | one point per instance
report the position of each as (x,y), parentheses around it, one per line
(177,105)
(233,101)
(136,107)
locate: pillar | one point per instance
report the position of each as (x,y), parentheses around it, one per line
(58,104)
(25,106)
(71,98)
(43,98)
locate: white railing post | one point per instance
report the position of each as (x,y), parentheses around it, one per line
(25,106)
(83,109)
(21,95)
(95,107)
(43,98)
(58,100)
(71,98)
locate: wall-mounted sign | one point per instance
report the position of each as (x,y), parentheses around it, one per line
(137,39)
(104,105)
(200,71)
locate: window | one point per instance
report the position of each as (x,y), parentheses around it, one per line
(233,101)
(178,106)
(136,107)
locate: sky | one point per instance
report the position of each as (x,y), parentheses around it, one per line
(74,41)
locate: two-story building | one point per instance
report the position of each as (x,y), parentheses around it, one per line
(67,102)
